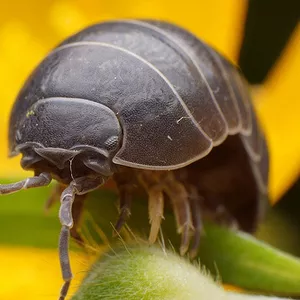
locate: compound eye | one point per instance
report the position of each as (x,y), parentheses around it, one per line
(112,143)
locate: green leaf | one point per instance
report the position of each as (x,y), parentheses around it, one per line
(246,262)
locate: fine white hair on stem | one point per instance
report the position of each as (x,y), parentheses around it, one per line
(143,271)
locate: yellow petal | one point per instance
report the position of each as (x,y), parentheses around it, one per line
(278,105)
(32,273)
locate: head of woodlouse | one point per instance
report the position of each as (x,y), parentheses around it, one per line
(61,136)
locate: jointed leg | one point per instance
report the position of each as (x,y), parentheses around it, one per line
(195,203)
(186,206)
(156,212)
(65,261)
(181,206)
(151,182)
(184,198)
(40,180)
(80,186)
(126,184)
(76,210)
(65,216)
(125,199)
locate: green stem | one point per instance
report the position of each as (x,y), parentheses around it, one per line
(141,272)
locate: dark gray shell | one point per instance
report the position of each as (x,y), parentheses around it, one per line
(174,96)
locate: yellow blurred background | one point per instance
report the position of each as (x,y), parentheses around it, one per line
(29,29)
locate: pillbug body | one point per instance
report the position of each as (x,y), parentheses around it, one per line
(150,105)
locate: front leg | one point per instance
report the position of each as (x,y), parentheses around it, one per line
(77,210)
(79,186)
(65,216)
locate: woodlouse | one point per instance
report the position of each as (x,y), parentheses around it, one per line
(146,103)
